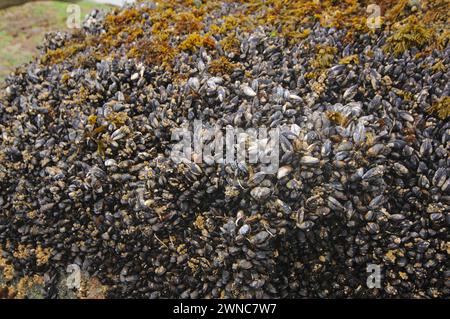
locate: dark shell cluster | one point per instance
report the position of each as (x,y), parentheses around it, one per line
(86,176)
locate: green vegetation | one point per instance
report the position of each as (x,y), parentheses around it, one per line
(22,29)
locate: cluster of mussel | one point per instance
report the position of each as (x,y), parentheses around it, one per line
(362,177)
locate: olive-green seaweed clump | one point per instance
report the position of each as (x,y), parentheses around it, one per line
(441,108)
(412,33)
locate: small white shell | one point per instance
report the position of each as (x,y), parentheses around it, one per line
(309,160)
(248,91)
(284,171)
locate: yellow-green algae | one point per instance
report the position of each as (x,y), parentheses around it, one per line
(441,108)
(181,26)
